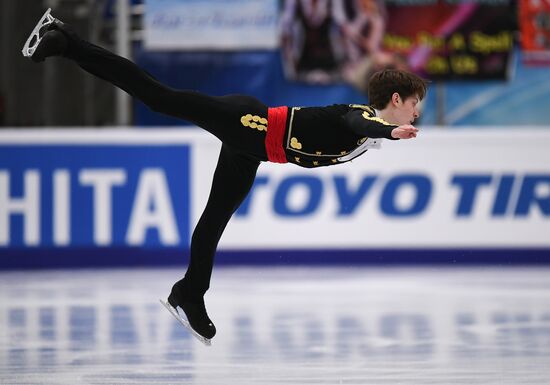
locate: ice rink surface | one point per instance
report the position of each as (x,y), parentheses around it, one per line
(285,325)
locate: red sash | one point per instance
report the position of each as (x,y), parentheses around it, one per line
(276,122)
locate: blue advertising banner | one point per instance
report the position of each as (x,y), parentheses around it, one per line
(91,198)
(81,196)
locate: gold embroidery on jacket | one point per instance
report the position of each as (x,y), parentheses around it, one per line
(290,126)
(252,121)
(364,107)
(376,119)
(295,144)
(361,141)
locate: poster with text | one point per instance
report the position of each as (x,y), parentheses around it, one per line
(451,39)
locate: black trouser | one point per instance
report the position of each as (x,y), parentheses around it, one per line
(242,150)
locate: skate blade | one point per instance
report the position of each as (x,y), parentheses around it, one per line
(34,38)
(185,323)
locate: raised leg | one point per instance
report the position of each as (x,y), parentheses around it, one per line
(220,115)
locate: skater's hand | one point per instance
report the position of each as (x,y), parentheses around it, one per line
(405,131)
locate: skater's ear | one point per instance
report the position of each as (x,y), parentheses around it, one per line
(395,99)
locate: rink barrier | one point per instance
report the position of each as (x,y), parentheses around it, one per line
(124,257)
(120,197)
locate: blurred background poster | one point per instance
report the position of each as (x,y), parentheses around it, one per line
(210,24)
(325,41)
(534,23)
(453,39)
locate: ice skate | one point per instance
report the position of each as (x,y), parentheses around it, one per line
(196,319)
(45,39)
(186,324)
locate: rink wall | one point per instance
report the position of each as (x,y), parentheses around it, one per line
(131,197)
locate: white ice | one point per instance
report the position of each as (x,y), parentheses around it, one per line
(287,325)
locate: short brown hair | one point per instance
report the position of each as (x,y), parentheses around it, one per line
(384,83)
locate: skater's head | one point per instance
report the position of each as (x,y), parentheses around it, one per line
(397,93)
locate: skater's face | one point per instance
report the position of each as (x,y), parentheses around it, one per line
(406,111)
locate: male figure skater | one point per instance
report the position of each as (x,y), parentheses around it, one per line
(250,133)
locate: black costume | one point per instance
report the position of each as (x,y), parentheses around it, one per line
(313,136)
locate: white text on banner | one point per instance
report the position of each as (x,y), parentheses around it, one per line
(211,24)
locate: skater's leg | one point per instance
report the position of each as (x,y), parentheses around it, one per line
(220,115)
(190,105)
(232,181)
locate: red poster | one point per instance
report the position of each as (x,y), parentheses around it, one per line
(534,21)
